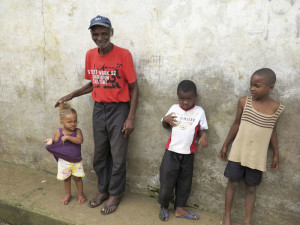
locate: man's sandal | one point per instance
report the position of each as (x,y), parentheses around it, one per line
(108,209)
(95,202)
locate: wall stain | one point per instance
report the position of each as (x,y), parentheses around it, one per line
(281,7)
(73,8)
(298,26)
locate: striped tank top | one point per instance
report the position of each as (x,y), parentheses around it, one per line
(251,143)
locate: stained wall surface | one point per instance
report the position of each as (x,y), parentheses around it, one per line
(217,44)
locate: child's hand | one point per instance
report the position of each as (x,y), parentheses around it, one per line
(203,141)
(64,138)
(170,119)
(48,141)
(275,164)
(223,152)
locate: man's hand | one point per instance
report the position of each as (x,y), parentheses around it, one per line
(128,127)
(63,99)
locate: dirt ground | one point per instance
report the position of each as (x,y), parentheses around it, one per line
(3,222)
(41,192)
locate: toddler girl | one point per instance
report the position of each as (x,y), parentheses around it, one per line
(66,149)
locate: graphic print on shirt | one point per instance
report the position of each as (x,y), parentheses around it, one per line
(106,77)
(185,121)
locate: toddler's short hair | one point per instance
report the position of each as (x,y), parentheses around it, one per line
(268,74)
(187,86)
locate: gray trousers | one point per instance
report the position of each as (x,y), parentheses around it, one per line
(176,171)
(110,146)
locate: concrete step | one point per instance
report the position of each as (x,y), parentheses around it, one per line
(32,197)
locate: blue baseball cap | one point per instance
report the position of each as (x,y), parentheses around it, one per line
(100,20)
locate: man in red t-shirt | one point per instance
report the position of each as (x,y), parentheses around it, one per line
(114,89)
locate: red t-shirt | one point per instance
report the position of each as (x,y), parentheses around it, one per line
(110,74)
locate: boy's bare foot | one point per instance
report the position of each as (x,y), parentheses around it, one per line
(183,213)
(66,199)
(226,221)
(81,199)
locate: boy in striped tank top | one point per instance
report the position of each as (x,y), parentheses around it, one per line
(253,130)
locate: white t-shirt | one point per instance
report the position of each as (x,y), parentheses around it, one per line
(183,136)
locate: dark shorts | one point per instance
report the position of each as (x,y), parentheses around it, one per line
(236,172)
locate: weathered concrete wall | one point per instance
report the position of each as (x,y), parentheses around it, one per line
(218,44)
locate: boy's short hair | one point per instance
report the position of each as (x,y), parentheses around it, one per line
(187,86)
(268,74)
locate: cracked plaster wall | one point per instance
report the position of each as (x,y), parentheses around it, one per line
(217,44)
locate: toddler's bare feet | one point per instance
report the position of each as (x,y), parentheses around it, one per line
(66,199)
(81,199)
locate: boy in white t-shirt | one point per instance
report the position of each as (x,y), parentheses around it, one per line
(176,171)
